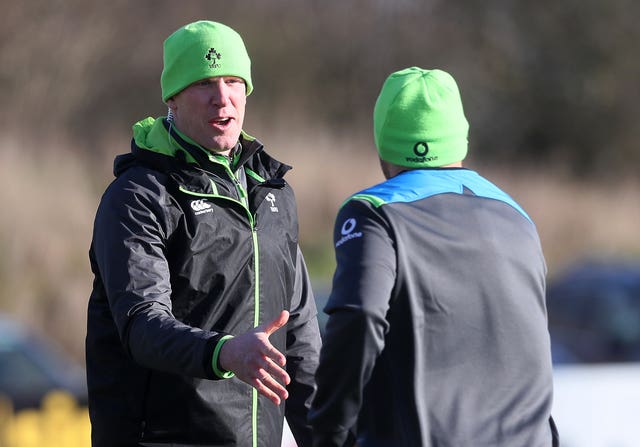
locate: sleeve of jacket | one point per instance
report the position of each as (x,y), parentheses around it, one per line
(357,308)
(303,348)
(129,243)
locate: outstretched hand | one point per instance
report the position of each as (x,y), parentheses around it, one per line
(254,360)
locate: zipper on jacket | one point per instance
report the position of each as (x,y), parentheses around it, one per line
(256,321)
(256,290)
(240,191)
(242,194)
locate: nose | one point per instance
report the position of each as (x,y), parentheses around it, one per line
(219,93)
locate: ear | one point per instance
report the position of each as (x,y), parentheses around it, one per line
(171,103)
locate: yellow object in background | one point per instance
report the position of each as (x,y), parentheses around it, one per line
(59,422)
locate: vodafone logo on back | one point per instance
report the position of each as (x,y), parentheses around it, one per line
(201,206)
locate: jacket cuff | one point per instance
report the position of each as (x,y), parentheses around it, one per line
(217,370)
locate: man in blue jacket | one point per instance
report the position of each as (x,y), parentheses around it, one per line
(201,322)
(437,330)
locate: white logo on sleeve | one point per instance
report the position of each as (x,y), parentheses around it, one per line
(201,206)
(272,200)
(347,231)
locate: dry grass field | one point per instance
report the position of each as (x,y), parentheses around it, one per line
(49,195)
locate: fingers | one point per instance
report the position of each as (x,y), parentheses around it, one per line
(268,381)
(277,323)
(267,386)
(272,354)
(271,376)
(275,371)
(269,328)
(254,360)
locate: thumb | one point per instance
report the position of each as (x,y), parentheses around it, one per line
(277,323)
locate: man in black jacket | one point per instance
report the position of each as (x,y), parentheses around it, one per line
(437,331)
(202,321)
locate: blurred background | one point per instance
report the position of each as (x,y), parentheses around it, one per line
(550,89)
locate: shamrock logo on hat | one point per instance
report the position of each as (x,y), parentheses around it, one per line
(213,56)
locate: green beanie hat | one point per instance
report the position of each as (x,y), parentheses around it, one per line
(418,119)
(203,50)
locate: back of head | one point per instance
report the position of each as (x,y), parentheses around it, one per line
(201,50)
(419,121)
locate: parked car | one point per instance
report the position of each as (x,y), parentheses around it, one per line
(594,321)
(31,367)
(594,313)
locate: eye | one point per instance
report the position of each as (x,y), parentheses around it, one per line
(232,81)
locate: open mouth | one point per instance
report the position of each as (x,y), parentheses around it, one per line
(220,121)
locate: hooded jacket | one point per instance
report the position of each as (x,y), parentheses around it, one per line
(437,319)
(188,249)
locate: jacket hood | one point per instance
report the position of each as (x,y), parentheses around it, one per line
(151,134)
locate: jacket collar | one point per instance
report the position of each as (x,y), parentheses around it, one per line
(247,146)
(156,141)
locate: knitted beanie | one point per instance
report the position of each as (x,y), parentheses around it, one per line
(418,119)
(203,50)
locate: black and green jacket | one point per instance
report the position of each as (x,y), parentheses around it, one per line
(188,248)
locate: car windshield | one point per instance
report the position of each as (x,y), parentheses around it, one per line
(18,373)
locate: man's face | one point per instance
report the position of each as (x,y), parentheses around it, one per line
(211,112)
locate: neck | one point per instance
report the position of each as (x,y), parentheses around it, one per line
(390,170)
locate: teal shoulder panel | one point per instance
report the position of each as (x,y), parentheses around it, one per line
(423,183)
(373,199)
